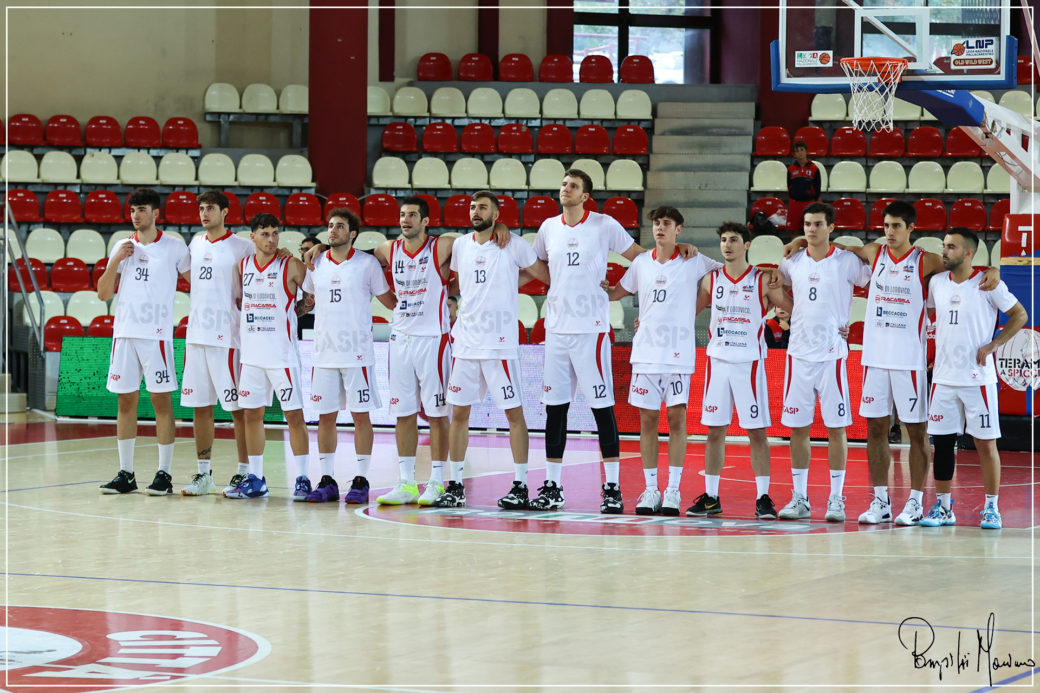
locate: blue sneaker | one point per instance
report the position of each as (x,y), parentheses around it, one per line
(939,516)
(302,490)
(991,518)
(251,487)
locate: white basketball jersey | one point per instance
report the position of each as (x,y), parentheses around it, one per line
(422,294)
(577,257)
(215,313)
(486,326)
(894,326)
(665,341)
(147,286)
(343,294)
(822,294)
(268,327)
(965,319)
(738,316)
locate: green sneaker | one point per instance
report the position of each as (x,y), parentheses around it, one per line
(402,494)
(431,493)
(201,485)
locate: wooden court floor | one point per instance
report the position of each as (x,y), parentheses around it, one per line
(117,592)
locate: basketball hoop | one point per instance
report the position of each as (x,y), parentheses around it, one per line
(873,81)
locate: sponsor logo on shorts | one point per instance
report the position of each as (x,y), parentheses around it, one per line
(935,417)
(455,388)
(187,391)
(711,408)
(790,410)
(640,390)
(244,393)
(114,376)
(867,400)
(394,400)
(315,398)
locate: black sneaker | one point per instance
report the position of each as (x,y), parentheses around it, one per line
(612,504)
(517,498)
(895,435)
(358,493)
(705,505)
(764,509)
(125,482)
(454,496)
(162,484)
(550,497)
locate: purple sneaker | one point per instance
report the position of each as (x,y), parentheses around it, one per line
(302,490)
(358,493)
(328,490)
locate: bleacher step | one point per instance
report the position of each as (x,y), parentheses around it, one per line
(699,199)
(706,109)
(716,127)
(700,162)
(702,144)
(697,180)
(14,404)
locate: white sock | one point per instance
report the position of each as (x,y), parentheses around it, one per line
(166,457)
(437,471)
(612,470)
(917,496)
(243,467)
(256,466)
(944,500)
(761,486)
(674,477)
(407,466)
(328,463)
(301,464)
(455,470)
(364,463)
(204,467)
(126,454)
(554,472)
(881,493)
(520,473)
(711,484)
(837,481)
(992,499)
(800,481)
(650,477)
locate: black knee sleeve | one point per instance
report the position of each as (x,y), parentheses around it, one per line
(945,456)
(606,427)
(555,430)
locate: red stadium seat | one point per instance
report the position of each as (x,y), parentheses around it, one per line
(440,137)
(554,138)
(180,133)
(62,206)
(183,285)
(104,131)
(59,327)
(556,67)
(24,204)
(476,67)
(379,319)
(181,331)
(997,212)
(381,210)
(849,214)
(592,139)
(538,332)
(848,141)
(234,215)
(515,67)
(70,274)
(887,143)
(142,132)
(101,326)
(63,131)
(3,130)
(99,269)
(515,138)
(925,142)
(261,202)
(1027,73)
(435,208)
(624,210)
(456,212)
(815,139)
(433,67)
(477,138)
(596,69)
(614,273)
(636,69)
(959,144)
(508,211)
(303,209)
(182,207)
(876,218)
(399,137)
(856,333)
(773,140)
(537,209)
(337,200)
(768,206)
(631,140)
(591,205)
(931,215)
(969,213)
(24,130)
(38,271)
(522,336)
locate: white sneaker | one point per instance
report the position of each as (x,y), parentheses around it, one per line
(401,494)
(201,484)
(649,502)
(911,515)
(797,509)
(878,512)
(835,509)
(672,501)
(431,493)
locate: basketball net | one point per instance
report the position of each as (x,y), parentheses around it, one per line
(873,82)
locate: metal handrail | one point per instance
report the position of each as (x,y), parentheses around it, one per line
(11,224)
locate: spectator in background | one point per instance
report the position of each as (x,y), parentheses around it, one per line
(453,308)
(803,185)
(306,244)
(306,320)
(778,329)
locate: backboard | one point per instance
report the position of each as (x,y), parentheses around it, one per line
(951,44)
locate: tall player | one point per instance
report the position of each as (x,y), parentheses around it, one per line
(664,351)
(736,373)
(964,379)
(341,286)
(270,357)
(822,278)
(485,344)
(143,270)
(211,351)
